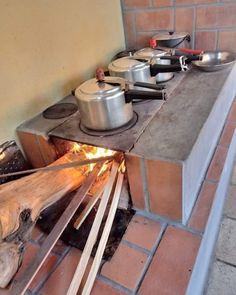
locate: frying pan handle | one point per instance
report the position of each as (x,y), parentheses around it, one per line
(145,95)
(188,51)
(155,69)
(188,58)
(149,85)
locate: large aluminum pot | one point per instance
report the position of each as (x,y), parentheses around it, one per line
(172,39)
(102,106)
(153,56)
(106,104)
(133,69)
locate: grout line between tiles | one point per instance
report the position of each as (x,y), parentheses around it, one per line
(114,284)
(149,260)
(135,247)
(167,221)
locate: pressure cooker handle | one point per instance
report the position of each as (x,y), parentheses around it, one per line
(155,69)
(149,85)
(145,95)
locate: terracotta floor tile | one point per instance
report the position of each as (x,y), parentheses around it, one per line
(142,232)
(202,208)
(172,264)
(125,267)
(45,270)
(227,133)
(217,164)
(100,288)
(59,281)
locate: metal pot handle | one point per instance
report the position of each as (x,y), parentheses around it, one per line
(145,95)
(155,69)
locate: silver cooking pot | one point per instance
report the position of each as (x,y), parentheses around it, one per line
(172,39)
(134,69)
(153,56)
(105,105)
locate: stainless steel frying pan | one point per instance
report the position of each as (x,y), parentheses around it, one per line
(214,60)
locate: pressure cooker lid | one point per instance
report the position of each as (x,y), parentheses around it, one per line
(149,53)
(94,90)
(170,36)
(126,64)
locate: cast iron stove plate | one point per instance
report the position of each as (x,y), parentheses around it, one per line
(60,110)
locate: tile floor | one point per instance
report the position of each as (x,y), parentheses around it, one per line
(222,278)
(155,256)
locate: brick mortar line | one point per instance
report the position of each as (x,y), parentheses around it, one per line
(220,29)
(196,30)
(150,258)
(174,16)
(156,8)
(193,43)
(146,194)
(114,284)
(135,247)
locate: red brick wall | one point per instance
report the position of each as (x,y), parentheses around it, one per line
(211,23)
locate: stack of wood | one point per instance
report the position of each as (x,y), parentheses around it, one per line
(21,202)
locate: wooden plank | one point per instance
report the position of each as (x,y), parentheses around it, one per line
(83,262)
(79,221)
(20,287)
(102,244)
(60,167)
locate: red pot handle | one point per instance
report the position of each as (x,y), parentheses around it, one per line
(190,51)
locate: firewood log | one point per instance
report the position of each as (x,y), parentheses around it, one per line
(37,191)
(21,202)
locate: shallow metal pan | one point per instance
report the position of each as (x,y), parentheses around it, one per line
(214,60)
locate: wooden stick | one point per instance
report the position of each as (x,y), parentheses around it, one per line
(60,167)
(102,244)
(80,270)
(20,287)
(79,221)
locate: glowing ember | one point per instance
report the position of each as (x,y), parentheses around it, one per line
(2,156)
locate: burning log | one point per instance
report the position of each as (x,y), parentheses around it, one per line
(23,199)
(21,202)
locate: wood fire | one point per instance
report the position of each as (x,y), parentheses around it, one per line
(22,201)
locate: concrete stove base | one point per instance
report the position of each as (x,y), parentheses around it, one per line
(168,162)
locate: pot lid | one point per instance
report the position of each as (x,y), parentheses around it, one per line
(94,90)
(170,36)
(125,64)
(149,53)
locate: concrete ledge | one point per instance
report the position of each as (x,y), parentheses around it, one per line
(200,271)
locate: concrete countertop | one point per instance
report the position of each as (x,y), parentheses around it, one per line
(175,128)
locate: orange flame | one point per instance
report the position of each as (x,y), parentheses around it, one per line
(92,152)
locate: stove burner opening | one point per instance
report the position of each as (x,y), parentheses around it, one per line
(60,110)
(111,132)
